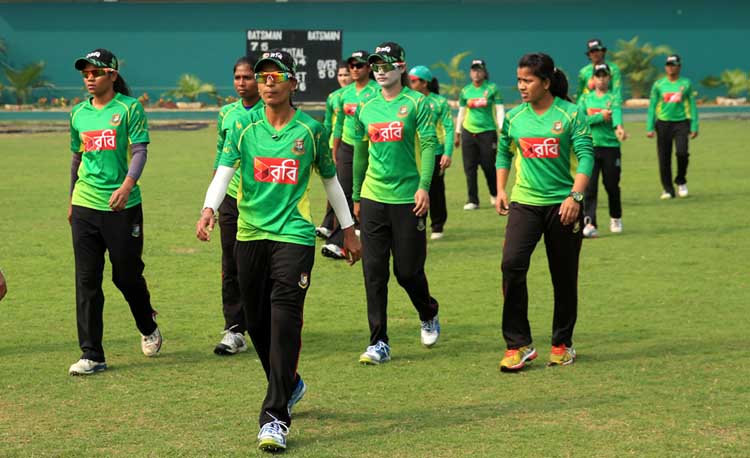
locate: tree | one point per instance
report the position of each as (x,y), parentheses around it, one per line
(191,87)
(24,80)
(735,81)
(455,73)
(636,64)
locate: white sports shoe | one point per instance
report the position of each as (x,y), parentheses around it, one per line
(436,236)
(471,206)
(322,232)
(589,230)
(430,332)
(272,436)
(682,190)
(376,354)
(665,195)
(151,344)
(331,250)
(231,344)
(86,367)
(615,225)
(493,200)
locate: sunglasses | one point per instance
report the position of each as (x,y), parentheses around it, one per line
(385,68)
(357,65)
(276,77)
(95,73)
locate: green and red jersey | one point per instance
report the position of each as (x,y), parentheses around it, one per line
(348,102)
(480,106)
(275,169)
(672,101)
(333,108)
(103,137)
(549,149)
(602,132)
(444,128)
(586,80)
(400,154)
(228,117)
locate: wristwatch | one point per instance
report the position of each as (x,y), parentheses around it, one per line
(577,197)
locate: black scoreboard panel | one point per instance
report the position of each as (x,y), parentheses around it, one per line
(317,53)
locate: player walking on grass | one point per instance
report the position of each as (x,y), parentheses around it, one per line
(393,165)
(604,116)
(597,54)
(674,114)
(246,87)
(421,80)
(480,117)
(551,142)
(276,149)
(105,211)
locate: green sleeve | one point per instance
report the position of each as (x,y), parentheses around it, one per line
(461,98)
(220,136)
(504,156)
(617,82)
(427,143)
(497,95)
(338,127)
(583,145)
(137,124)
(230,152)
(361,159)
(581,83)
(693,110)
(616,110)
(650,118)
(323,159)
(75,137)
(328,119)
(593,119)
(447,120)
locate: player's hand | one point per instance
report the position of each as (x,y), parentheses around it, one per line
(621,134)
(205,225)
(421,202)
(356,210)
(501,203)
(569,211)
(607,115)
(352,246)
(3,286)
(70,214)
(119,198)
(457,140)
(445,162)
(693,134)
(650,134)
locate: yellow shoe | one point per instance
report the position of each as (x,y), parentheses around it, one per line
(561,355)
(515,358)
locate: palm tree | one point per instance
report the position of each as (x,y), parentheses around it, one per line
(191,87)
(24,80)
(457,76)
(636,64)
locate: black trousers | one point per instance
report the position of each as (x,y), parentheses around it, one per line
(438,209)
(393,229)
(230,287)
(607,162)
(344,172)
(479,150)
(121,234)
(526,225)
(668,132)
(274,277)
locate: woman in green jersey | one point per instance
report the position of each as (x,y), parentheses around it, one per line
(105,211)
(552,143)
(674,115)
(246,87)
(480,117)
(276,150)
(421,80)
(393,164)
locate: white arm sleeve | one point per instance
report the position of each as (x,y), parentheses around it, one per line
(337,199)
(500,111)
(460,119)
(218,187)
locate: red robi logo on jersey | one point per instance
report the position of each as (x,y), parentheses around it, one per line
(673,97)
(593,111)
(540,148)
(380,132)
(350,109)
(477,103)
(275,170)
(99,140)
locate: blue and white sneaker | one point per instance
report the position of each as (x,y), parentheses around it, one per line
(297,395)
(86,367)
(430,332)
(272,436)
(376,354)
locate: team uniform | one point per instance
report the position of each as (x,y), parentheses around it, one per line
(234,317)
(103,137)
(607,154)
(548,150)
(673,113)
(479,135)
(333,109)
(276,240)
(396,160)
(586,80)
(441,114)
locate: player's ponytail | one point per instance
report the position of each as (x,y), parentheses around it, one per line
(559,85)
(433,86)
(542,66)
(121,86)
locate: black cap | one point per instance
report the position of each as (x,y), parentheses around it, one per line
(283,59)
(595,44)
(101,58)
(358,56)
(674,59)
(479,63)
(389,52)
(602,68)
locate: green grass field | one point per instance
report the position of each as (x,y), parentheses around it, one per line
(662,335)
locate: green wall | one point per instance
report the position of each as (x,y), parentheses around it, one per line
(160,41)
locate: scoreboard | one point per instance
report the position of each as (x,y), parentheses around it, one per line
(316,52)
